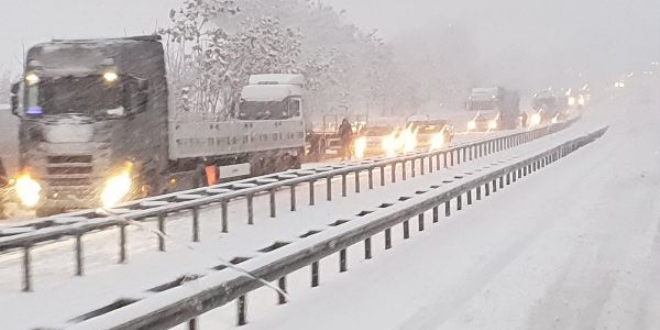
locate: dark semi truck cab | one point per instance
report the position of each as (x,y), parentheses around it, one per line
(93,122)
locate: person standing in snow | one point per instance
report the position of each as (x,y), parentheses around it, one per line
(523,119)
(346,136)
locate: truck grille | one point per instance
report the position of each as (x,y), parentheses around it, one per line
(69,171)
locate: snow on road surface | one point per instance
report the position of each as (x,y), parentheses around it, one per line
(575,246)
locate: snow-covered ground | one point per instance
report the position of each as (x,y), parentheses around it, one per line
(106,281)
(575,246)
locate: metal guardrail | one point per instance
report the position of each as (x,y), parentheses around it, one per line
(77,224)
(182,302)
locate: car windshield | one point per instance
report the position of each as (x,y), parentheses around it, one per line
(90,95)
(377,131)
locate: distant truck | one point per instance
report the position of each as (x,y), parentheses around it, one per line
(96,127)
(496,108)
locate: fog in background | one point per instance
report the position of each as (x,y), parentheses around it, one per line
(526,44)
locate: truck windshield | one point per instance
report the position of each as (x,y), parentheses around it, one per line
(90,95)
(263,110)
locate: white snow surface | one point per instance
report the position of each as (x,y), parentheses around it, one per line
(574,246)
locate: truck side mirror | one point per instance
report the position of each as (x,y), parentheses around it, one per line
(15,101)
(137,91)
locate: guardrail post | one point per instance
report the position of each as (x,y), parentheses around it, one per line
(494,185)
(514,175)
(161,229)
(388,238)
(393,172)
(250,209)
(502,182)
(79,255)
(430,163)
(224,216)
(437,162)
(480,149)
(371,178)
(328,185)
(436,215)
(406,229)
(281,283)
(458,155)
(413,167)
(444,161)
(27,270)
(242,310)
(343,267)
(357,181)
(447,208)
(272,202)
(312,200)
(479,193)
(487,188)
(508,178)
(404,170)
(469,197)
(420,220)
(344,187)
(382,176)
(459,202)
(122,242)
(367,248)
(293,198)
(421,166)
(192,324)
(315,274)
(195,224)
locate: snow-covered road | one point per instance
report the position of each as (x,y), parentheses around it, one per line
(576,246)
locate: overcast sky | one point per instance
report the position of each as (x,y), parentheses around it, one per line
(581,35)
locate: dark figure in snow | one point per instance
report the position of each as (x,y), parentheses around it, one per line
(523,119)
(4,182)
(346,136)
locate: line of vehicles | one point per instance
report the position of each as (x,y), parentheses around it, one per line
(97,127)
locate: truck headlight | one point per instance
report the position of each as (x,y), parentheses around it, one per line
(492,124)
(571,101)
(471,125)
(117,188)
(28,190)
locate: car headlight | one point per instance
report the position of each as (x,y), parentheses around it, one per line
(117,188)
(492,124)
(535,120)
(471,125)
(28,190)
(360,147)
